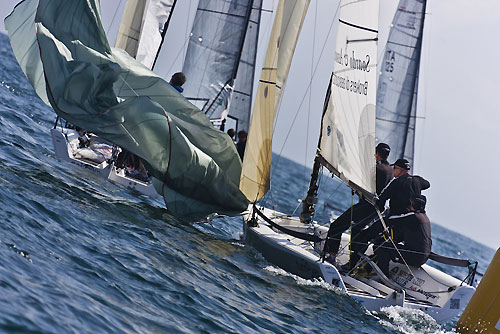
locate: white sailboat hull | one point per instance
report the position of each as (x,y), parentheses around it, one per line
(431,291)
(65,142)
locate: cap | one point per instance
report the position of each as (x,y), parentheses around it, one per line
(383,147)
(402,163)
(418,202)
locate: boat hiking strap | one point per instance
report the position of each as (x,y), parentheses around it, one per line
(449,260)
(298,235)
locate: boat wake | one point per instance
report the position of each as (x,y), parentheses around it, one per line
(409,321)
(302,281)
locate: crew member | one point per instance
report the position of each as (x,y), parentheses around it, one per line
(363,212)
(399,193)
(412,236)
(178,79)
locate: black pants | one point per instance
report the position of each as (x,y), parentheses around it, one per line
(362,214)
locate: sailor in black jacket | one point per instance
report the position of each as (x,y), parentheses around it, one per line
(402,189)
(362,212)
(399,192)
(412,236)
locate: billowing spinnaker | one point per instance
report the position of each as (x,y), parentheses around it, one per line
(287,24)
(397,85)
(141,28)
(107,92)
(347,140)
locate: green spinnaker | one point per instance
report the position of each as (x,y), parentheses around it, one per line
(63,50)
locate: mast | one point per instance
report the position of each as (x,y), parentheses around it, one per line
(311,199)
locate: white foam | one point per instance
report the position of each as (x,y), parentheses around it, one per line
(302,281)
(410,321)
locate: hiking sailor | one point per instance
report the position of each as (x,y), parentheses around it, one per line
(361,213)
(399,192)
(413,230)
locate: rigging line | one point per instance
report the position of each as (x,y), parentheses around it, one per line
(113,19)
(303,98)
(310,90)
(392,241)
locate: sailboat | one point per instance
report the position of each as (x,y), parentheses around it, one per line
(63,50)
(350,125)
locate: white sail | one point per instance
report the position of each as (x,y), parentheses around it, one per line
(287,24)
(347,142)
(142,27)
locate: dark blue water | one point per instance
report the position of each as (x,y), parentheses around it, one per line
(80,256)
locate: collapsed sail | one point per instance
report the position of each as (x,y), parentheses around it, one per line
(347,141)
(103,90)
(287,24)
(213,53)
(142,28)
(397,87)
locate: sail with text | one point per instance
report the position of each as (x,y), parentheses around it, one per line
(398,81)
(143,28)
(255,175)
(347,140)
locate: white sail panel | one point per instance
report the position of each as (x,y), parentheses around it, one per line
(141,28)
(397,87)
(157,13)
(287,24)
(348,126)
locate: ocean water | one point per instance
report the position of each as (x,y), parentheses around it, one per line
(81,256)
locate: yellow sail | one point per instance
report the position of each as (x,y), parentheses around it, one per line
(290,14)
(482,314)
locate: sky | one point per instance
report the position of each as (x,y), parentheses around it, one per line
(457,131)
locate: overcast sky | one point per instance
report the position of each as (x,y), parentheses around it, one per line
(458,137)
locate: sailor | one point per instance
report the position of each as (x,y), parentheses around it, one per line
(399,192)
(363,212)
(242,142)
(231,133)
(178,79)
(412,236)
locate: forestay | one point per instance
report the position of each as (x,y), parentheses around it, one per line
(214,51)
(397,87)
(287,24)
(107,92)
(142,28)
(347,142)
